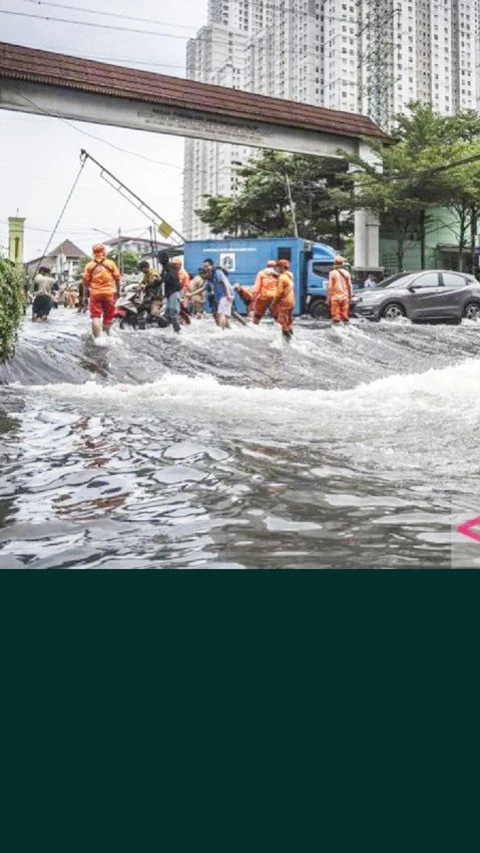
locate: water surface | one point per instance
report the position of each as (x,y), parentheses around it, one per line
(231,449)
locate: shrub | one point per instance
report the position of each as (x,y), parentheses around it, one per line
(12,304)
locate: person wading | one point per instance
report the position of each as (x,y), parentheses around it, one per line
(340,292)
(172,289)
(284,302)
(266,292)
(42,303)
(101,278)
(184,279)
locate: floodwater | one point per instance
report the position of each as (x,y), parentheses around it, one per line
(346,449)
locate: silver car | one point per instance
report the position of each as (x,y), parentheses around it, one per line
(422,297)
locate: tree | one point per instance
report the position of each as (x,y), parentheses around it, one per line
(421,171)
(130,261)
(320,189)
(127,261)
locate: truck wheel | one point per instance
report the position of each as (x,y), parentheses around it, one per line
(319,309)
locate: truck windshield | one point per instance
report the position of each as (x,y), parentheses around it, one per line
(322,268)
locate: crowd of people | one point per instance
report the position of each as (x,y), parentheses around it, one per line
(172,294)
(181,296)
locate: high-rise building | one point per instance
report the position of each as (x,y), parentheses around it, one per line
(366,56)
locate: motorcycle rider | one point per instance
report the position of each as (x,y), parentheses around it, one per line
(152,290)
(101,278)
(340,292)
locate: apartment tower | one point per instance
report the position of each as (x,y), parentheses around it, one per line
(366,56)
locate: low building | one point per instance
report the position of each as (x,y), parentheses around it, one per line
(441,247)
(63,261)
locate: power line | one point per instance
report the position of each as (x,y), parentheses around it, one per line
(108,27)
(268,6)
(108,14)
(61,215)
(101,57)
(112,27)
(99,138)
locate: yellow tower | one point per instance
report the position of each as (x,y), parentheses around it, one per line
(15,238)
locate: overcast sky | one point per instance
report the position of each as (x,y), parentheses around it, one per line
(39,156)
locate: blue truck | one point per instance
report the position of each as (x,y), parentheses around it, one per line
(243,258)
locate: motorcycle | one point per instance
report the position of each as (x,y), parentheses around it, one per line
(139,309)
(128,306)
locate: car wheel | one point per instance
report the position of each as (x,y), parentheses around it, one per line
(319,309)
(392,312)
(472,311)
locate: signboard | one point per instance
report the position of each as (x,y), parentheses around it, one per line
(165,229)
(227,261)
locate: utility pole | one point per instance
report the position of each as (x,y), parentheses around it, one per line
(120,251)
(152,243)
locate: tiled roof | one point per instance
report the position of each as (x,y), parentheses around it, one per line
(40,66)
(67,248)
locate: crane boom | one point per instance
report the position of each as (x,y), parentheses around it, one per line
(164,228)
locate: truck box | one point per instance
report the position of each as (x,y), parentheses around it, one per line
(242,258)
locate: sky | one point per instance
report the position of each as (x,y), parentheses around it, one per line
(40,156)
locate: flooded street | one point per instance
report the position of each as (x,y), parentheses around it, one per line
(349,448)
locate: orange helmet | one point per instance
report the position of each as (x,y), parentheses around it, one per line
(283,263)
(339,261)
(98,249)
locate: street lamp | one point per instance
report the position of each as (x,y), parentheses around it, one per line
(289,191)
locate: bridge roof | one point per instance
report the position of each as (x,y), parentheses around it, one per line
(40,66)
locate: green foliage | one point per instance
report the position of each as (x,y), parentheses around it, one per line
(434,162)
(321,191)
(12,304)
(130,261)
(127,261)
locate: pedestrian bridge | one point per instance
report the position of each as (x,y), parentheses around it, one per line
(45,83)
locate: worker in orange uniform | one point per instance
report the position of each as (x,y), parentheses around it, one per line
(247,295)
(284,302)
(184,279)
(264,292)
(340,292)
(101,278)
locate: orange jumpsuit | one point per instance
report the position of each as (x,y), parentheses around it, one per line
(340,292)
(284,303)
(265,288)
(101,276)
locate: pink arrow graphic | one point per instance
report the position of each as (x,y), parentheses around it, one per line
(467,529)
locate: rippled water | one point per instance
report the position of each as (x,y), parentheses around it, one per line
(231,449)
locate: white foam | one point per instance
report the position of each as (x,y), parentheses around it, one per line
(384,405)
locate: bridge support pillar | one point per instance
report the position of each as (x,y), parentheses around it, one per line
(367,226)
(367,240)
